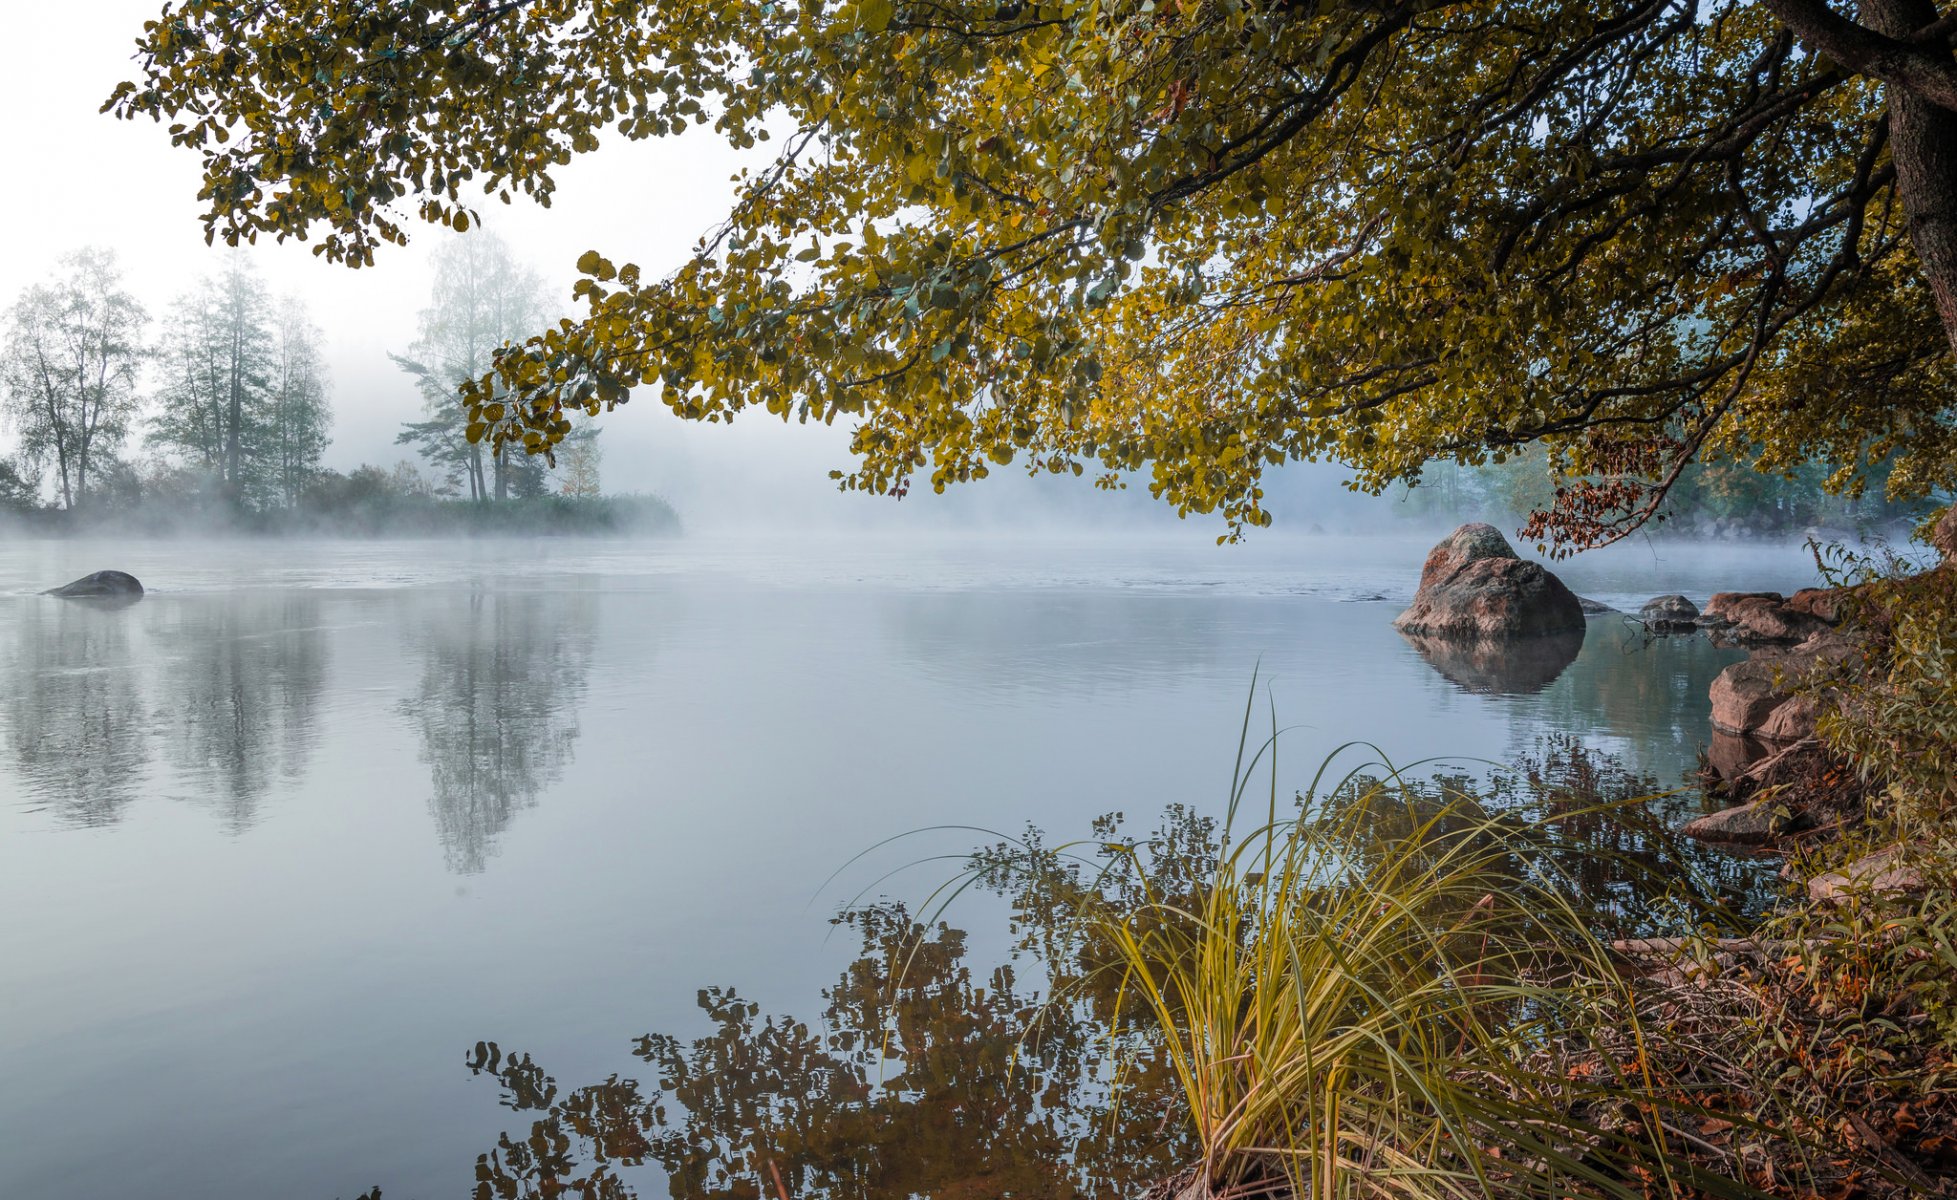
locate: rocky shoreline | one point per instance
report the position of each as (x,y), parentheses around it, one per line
(1479,603)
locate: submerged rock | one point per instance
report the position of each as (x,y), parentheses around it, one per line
(1669,613)
(102,585)
(1594,608)
(1475,587)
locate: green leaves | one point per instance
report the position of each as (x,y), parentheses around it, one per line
(1222,235)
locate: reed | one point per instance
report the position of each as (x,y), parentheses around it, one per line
(1382,991)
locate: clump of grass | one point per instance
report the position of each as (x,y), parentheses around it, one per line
(1384,991)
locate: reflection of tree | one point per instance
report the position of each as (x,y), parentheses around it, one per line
(75,709)
(502,677)
(928,1079)
(923,1081)
(242,693)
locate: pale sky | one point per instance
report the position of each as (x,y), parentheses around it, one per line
(80,178)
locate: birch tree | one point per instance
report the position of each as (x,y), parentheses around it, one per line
(72,353)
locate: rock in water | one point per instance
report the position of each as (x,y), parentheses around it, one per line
(1474,586)
(1669,613)
(1760,821)
(103,585)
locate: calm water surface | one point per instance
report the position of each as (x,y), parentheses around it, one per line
(280,844)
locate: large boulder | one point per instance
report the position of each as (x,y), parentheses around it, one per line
(1745,694)
(1474,586)
(102,585)
(1749,697)
(1791,721)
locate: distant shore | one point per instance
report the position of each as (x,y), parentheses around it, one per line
(392,516)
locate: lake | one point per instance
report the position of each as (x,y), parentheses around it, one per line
(281,843)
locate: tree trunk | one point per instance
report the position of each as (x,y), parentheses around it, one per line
(1923,145)
(236,418)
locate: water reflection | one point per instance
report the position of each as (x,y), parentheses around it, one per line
(496,709)
(238,693)
(75,710)
(930,1075)
(1517,666)
(924,1078)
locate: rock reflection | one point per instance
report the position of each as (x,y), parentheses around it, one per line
(923,1079)
(1516,666)
(502,680)
(238,697)
(75,710)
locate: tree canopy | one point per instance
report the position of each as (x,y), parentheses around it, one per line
(1188,237)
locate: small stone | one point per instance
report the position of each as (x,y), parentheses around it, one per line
(1886,872)
(1759,821)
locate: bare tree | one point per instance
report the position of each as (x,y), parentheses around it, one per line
(73,346)
(578,457)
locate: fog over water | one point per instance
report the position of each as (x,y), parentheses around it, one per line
(282,841)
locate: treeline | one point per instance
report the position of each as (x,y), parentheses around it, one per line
(217,416)
(1709,499)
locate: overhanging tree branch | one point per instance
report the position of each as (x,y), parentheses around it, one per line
(1921,65)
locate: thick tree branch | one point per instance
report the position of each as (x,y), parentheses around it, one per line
(1923,68)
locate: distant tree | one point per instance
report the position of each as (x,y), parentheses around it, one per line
(578,456)
(482,299)
(221,353)
(1194,238)
(406,479)
(73,346)
(300,412)
(20,489)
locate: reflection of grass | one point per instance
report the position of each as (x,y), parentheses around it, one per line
(1388,992)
